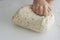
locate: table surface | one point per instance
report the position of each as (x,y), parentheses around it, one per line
(8,31)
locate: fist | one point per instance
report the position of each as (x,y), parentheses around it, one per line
(41,7)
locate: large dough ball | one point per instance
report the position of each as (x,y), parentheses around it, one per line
(26,18)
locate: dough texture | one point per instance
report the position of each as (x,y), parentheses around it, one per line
(26,18)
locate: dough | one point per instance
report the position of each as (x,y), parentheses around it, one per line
(26,18)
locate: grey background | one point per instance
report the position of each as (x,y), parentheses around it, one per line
(8,31)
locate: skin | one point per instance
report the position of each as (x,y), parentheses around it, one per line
(50,1)
(42,7)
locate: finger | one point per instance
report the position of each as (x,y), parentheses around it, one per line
(45,11)
(41,10)
(49,8)
(36,9)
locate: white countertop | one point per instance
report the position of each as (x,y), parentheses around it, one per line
(8,31)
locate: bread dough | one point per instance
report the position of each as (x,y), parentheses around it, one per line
(26,18)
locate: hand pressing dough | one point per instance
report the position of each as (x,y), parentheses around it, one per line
(26,18)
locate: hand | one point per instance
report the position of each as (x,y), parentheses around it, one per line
(41,7)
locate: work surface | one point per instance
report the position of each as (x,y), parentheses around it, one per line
(9,31)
